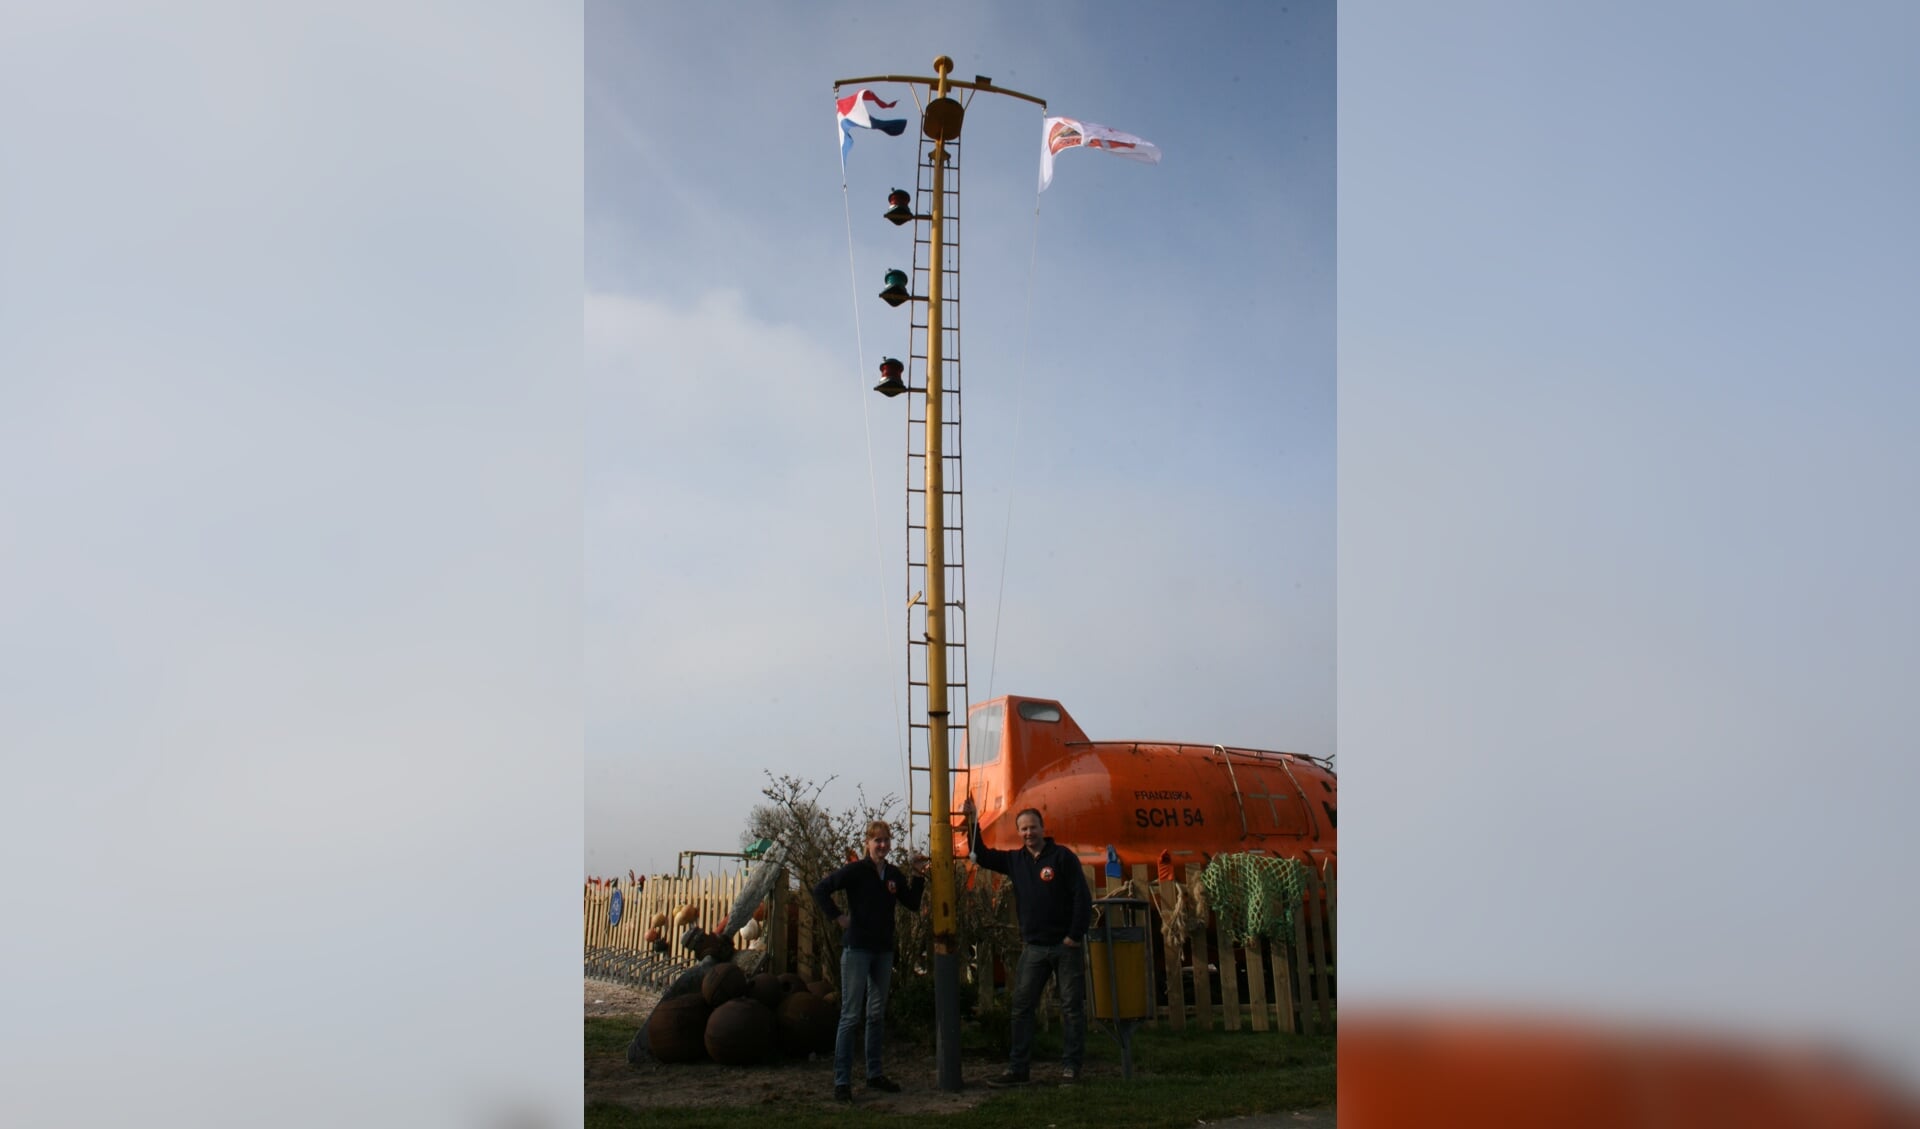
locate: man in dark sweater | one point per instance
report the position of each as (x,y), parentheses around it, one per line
(1055,907)
(873,888)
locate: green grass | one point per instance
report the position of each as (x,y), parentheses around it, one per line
(604,1035)
(1178,1078)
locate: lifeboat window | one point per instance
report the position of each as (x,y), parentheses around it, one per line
(1039,711)
(1326,786)
(983,735)
(1332,819)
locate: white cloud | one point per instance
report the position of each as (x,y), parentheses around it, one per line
(735,590)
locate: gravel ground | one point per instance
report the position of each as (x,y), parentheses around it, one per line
(1321,1118)
(604,997)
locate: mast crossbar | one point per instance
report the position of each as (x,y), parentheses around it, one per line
(983,87)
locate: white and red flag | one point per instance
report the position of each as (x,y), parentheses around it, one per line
(1060,134)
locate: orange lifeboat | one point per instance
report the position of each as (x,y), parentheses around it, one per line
(1141,798)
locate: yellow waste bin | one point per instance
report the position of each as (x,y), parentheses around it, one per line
(1117,955)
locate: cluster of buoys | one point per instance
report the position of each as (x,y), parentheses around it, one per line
(656,935)
(738,1020)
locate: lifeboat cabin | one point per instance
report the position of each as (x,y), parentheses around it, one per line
(1142,798)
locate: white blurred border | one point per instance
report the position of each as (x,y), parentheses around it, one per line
(289,462)
(1627,545)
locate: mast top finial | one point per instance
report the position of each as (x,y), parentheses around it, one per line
(942,65)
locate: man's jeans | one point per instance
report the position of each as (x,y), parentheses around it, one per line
(863,987)
(1068,967)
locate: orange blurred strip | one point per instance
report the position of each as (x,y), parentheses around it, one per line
(1441,1071)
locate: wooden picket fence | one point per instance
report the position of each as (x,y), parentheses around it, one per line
(1282,985)
(1262,984)
(712,897)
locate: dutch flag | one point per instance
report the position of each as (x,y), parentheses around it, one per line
(852,111)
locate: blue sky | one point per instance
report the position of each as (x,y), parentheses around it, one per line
(1149,374)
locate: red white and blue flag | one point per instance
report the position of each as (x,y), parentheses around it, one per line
(852,111)
(1061,134)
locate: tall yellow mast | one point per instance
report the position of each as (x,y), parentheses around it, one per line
(940,122)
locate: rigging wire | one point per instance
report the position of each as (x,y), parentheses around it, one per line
(873,490)
(1013,451)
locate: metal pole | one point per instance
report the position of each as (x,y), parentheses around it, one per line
(946,973)
(941,123)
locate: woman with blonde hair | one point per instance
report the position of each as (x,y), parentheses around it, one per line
(873,887)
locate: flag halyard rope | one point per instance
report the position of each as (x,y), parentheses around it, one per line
(873,488)
(1013,451)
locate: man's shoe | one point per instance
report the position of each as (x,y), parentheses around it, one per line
(1008,1077)
(883,1084)
(843,1094)
(1069,1075)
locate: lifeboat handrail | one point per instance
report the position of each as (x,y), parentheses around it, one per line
(1258,754)
(1304,802)
(1238,801)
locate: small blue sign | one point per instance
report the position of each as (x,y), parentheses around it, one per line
(613,908)
(1113,862)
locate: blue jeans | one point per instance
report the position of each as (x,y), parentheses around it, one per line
(863,987)
(1068,967)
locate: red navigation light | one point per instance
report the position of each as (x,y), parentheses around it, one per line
(890,382)
(899,210)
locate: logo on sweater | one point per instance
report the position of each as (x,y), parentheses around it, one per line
(1046,874)
(892,887)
